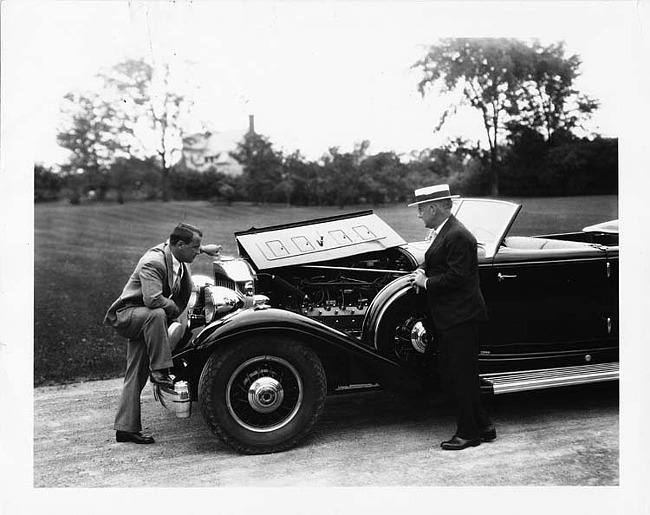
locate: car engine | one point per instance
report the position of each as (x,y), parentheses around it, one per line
(337,293)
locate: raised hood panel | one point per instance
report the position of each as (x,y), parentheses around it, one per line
(318,240)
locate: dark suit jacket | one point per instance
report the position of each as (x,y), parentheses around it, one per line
(151,285)
(451,266)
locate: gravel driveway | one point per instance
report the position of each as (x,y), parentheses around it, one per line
(557,437)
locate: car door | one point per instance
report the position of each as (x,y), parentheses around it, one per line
(612,315)
(549,301)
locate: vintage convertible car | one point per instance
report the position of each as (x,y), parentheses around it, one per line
(323,306)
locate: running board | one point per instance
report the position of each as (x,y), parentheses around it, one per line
(521,381)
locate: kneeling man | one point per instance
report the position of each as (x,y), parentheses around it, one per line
(155,296)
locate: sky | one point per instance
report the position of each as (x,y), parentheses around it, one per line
(314,74)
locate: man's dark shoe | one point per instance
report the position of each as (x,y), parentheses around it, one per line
(489,434)
(458,444)
(126,436)
(162,378)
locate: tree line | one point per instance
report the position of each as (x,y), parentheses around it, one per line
(126,142)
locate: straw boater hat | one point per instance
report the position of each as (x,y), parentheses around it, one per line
(432,193)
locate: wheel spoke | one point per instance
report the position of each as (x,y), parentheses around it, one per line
(262,396)
(264,393)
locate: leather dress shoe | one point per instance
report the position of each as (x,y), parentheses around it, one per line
(489,434)
(126,436)
(162,378)
(458,444)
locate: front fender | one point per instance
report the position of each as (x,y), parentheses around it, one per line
(397,324)
(392,292)
(315,334)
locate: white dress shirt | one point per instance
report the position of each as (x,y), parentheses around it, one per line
(434,232)
(178,272)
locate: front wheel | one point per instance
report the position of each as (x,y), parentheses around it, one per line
(262,395)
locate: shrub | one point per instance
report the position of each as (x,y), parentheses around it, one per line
(47,184)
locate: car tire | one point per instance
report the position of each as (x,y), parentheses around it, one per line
(262,395)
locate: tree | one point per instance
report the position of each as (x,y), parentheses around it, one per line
(456,162)
(150,110)
(550,102)
(47,184)
(510,82)
(91,133)
(134,176)
(483,70)
(342,183)
(566,165)
(383,178)
(306,179)
(263,171)
(137,114)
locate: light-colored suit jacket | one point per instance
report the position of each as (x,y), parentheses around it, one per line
(151,285)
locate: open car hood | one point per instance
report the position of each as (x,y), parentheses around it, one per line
(325,239)
(317,240)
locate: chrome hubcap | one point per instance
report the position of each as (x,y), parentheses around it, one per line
(419,338)
(265,395)
(412,338)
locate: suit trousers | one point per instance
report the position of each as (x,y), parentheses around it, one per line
(458,364)
(147,349)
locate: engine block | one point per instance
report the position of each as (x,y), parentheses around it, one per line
(337,293)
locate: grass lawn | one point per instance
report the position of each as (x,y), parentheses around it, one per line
(84,255)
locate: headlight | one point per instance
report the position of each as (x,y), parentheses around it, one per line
(219,301)
(198,281)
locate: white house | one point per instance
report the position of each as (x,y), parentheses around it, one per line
(211,150)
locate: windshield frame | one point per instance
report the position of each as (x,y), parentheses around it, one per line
(489,220)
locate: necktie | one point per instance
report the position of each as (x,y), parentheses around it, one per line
(177,281)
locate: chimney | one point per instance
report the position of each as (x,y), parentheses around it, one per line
(251,124)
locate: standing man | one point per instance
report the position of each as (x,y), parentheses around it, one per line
(154,296)
(450,277)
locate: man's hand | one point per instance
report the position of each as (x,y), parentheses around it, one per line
(418,279)
(211,250)
(173,312)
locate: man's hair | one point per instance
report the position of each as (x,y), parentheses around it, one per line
(185,233)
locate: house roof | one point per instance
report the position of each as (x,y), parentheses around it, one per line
(213,143)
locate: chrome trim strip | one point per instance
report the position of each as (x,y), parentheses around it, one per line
(352,269)
(520,381)
(546,262)
(494,355)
